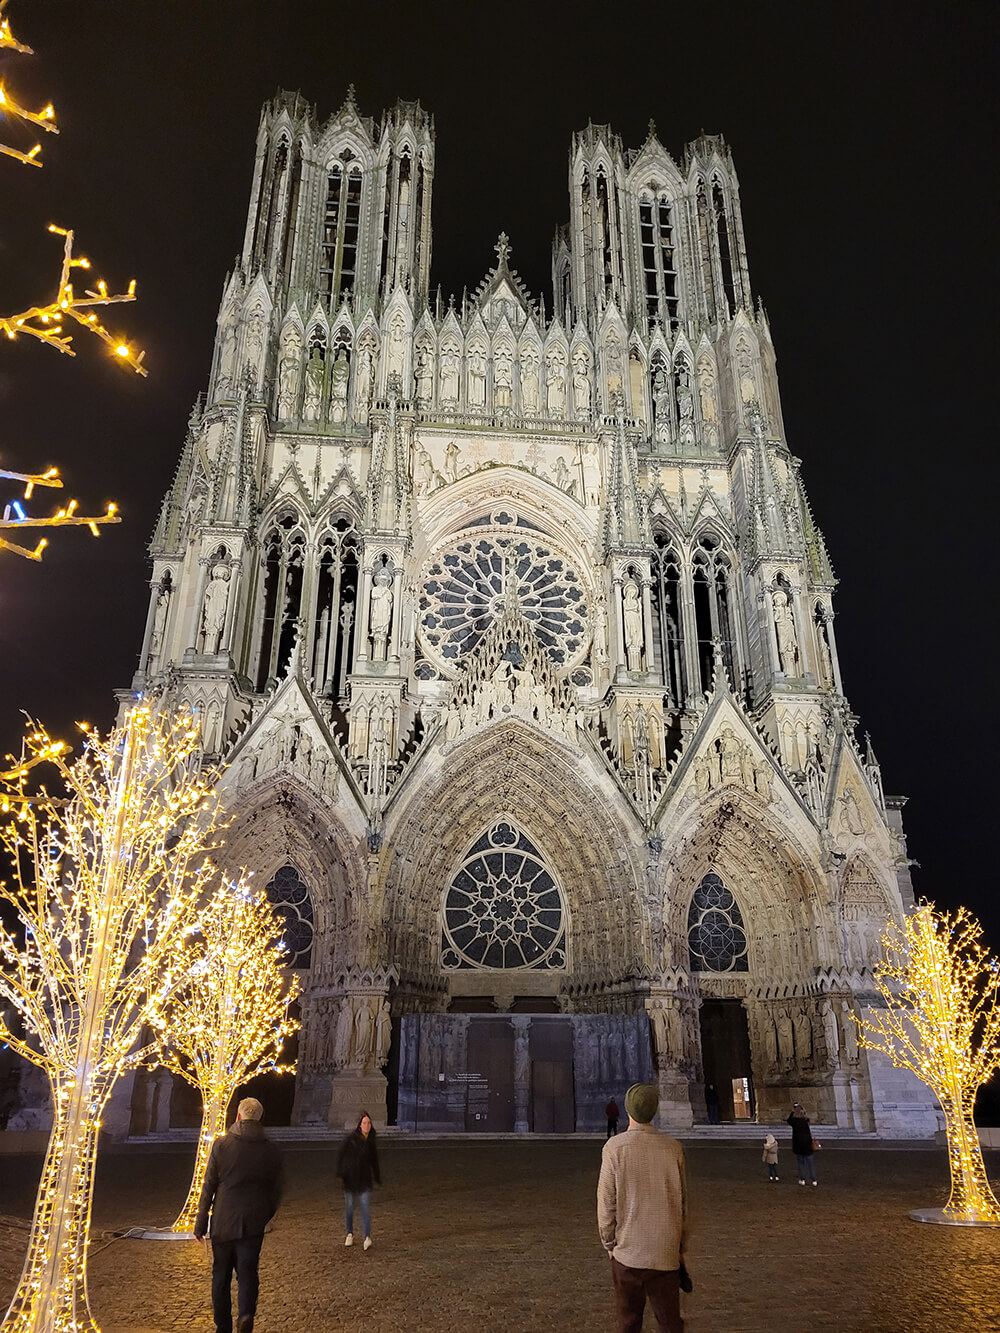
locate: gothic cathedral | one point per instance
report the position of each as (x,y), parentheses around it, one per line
(512,630)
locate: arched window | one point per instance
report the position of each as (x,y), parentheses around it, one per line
(336,608)
(717,941)
(281,591)
(722,237)
(659,264)
(503,909)
(712,571)
(279,169)
(291,898)
(341,223)
(667,616)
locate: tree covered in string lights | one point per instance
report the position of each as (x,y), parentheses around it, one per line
(108,880)
(941,1021)
(229,1020)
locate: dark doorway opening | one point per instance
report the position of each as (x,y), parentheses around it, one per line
(725,1054)
(489,1085)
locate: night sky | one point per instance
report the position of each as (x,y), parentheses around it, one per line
(864,138)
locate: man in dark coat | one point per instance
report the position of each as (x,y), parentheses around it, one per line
(242,1190)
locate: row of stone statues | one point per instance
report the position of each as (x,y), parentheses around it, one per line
(351,1034)
(729,761)
(794,1037)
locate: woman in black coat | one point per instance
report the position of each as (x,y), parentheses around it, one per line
(357,1167)
(802,1144)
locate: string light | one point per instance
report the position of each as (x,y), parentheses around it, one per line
(229,1021)
(108,886)
(47,321)
(942,1022)
(64,518)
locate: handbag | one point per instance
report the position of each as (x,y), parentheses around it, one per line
(816,1145)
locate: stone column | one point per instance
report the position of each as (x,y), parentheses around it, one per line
(199,603)
(147,633)
(522,1072)
(395,634)
(226,646)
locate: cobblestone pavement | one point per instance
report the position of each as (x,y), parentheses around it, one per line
(502,1236)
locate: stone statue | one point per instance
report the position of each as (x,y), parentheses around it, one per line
(159,619)
(425,471)
(770,1041)
(703,775)
(314,386)
(581,388)
(380,616)
(850,816)
(562,476)
(502,378)
(830,1034)
(613,367)
(706,392)
(423,375)
(363,379)
(452,454)
(343,1044)
(784,628)
(729,755)
(803,1036)
(825,657)
(340,378)
(786,1039)
(529,381)
(363,1031)
(685,409)
(661,405)
(383,1033)
(850,1029)
(632,625)
(555,388)
(477,378)
(449,374)
(213,620)
(227,353)
(396,349)
(762,781)
(288,385)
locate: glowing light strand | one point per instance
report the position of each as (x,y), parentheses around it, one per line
(108,886)
(47,321)
(942,1022)
(67,517)
(229,1020)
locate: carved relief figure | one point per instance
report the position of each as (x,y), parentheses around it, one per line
(685,410)
(381,615)
(364,377)
(345,1028)
(786,1039)
(661,405)
(562,476)
(396,350)
(423,375)
(632,625)
(803,1036)
(159,618)
(227,353)
(581,386)
(314,386)
(784,629)
(831,1036)
(706,394)
(613,367)
(729,756)
(254,344)
(851,818)
(744,371)
(288,374)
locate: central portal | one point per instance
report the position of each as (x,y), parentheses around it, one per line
(725,1053)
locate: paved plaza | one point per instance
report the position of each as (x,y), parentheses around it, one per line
(502,1236)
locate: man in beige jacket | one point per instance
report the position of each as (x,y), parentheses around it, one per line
(642,1216)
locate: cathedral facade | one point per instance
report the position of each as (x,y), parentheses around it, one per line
(511,628)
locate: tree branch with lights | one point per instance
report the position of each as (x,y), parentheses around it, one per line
(63,518)
(229,1020)
(942,1022)
(108,884)
(47,320)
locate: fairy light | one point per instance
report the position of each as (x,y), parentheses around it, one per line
(942,1022)
(229,1021)
(47,320)
(108,882)
(15,517)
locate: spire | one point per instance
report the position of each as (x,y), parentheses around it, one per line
(626,520)
(389,491)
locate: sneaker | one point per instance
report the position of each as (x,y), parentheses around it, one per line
(815,1183)
(368,1242)
(777,1177)
(245,1324)
(802,1182)
(349,1240)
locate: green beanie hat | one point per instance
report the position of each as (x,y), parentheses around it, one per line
(641,1102)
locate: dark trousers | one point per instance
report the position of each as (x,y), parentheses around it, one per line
(612,1126)
(239,1257)
(632,1288)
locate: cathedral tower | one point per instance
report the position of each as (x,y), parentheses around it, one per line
(515,637)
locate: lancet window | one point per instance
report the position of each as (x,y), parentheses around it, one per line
(717,940)
(341,225)
(714,612)
(503,908)
(291,899)
(724,244)
(336,608)
(659,265)
(282,565)
(279,169)
(667,616)
(705,247)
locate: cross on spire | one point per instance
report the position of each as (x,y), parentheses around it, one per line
(502,248)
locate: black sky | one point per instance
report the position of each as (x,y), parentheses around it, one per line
(864,138)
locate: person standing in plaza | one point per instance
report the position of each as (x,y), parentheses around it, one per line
(357,1167)
(803,1145)
(770,1156)
(612,1112)
(642,1216)
(242,1191)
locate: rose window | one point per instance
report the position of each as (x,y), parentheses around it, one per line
(467,586)
(503,908)
(290,897)
(716,938)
